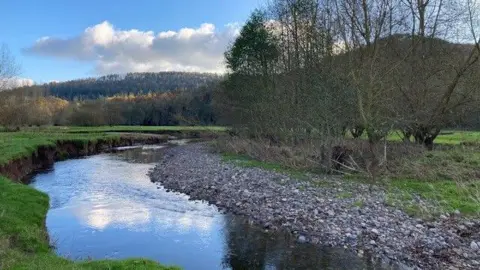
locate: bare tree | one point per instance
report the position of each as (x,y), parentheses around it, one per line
(9,69)
(435,74)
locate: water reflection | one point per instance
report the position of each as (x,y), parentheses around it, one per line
(105,206)
(140,154)
(248,247)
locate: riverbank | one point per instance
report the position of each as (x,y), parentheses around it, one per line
(323,210)
(24,240)
(46,154)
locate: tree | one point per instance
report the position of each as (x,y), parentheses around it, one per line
(251,60)
(9,69)
(434,76)
(254,51)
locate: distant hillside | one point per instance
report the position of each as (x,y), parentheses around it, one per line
(110,85)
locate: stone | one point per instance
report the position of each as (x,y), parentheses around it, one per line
(302,239)
(350,236)
(316,211)
(474,246)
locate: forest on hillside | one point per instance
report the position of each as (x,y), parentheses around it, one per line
(130,83)
(163,98)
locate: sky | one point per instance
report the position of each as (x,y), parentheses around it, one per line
(57,40)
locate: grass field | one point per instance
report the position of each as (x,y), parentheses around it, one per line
(143,129)
(450,137)
(447,137)
(23,143)
(23,237)
(15,145)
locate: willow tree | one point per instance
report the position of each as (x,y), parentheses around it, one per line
(439,55)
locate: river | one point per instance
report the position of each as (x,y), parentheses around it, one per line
(106,207)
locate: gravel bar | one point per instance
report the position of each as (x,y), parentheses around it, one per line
(323,210)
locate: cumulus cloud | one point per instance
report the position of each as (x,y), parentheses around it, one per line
(14,82)
(118,51)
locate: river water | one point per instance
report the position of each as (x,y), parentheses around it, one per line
(106,207)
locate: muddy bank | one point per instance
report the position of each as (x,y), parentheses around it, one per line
(45,156)
(323,210)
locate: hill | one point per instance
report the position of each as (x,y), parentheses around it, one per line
(131,83)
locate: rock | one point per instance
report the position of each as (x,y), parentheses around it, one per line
(276,202)
(457,212)
(474,246)
(350,236)
(302,239)
(360,253)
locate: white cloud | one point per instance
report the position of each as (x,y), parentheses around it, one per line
(119,51)
(10,83)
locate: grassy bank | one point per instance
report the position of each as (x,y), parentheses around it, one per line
(23,238)
(423,183)
(15,145)
(140,129)
(24,142)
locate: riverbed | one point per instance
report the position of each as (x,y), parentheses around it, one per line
(106,207)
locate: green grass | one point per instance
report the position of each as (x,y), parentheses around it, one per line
(345,195)
(245,161)
(23,237)
(358,203)
(152,129)
(459,163)
(444,181)
(428,199)
(445,137)
(15,145)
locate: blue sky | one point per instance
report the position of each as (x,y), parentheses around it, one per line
(124,35)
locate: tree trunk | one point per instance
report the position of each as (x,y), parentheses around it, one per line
(426,135)
(357,131)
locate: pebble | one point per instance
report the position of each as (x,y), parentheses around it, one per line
(302,239)
(274,200)
(474,246)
